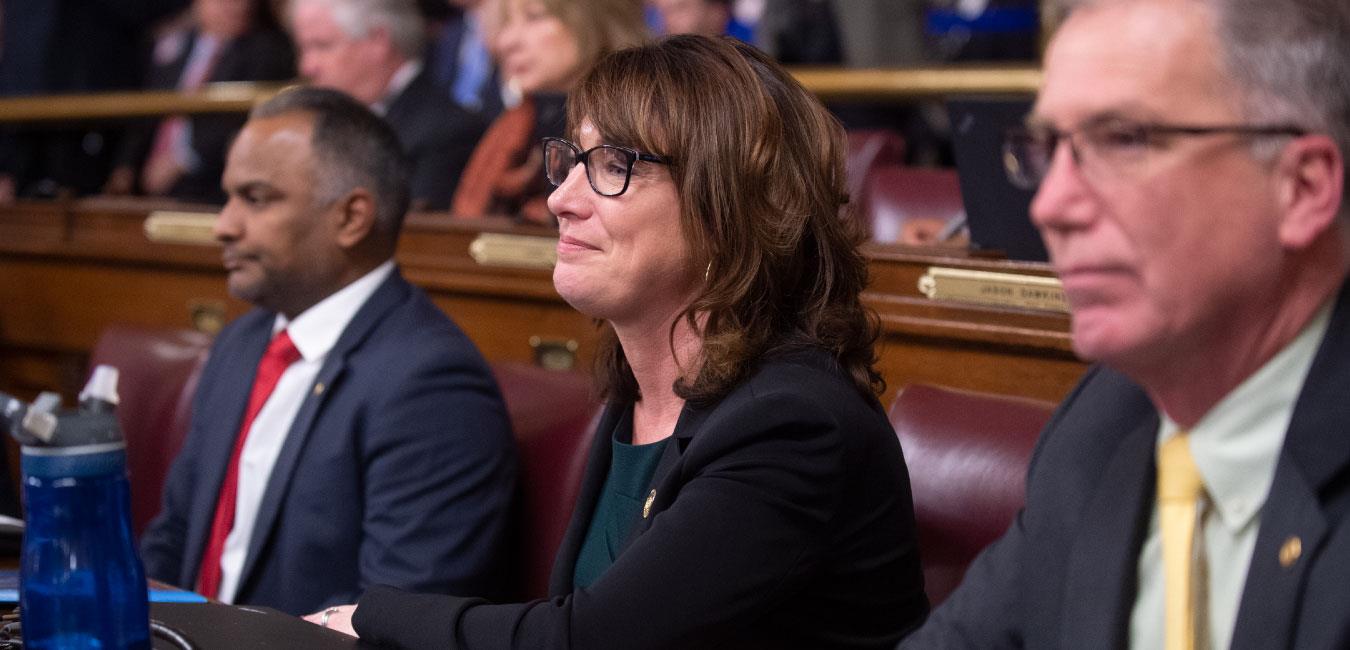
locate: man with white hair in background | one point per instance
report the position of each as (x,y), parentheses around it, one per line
(372,50)
(1194,490)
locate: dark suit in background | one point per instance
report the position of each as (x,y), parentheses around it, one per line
(399,470)
(782,518)
(1063,576)
(437,135)
(800,32)
(260,55)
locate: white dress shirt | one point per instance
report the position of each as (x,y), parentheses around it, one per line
(1236,446)
(314,333)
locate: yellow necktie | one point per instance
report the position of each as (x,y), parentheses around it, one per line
(1179,491)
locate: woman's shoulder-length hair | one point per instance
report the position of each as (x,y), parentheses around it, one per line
(758,164)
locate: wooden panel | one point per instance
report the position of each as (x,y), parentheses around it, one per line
(69,269)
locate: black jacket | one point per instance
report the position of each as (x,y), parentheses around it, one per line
(782,519)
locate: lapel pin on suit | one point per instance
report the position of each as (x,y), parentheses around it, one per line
(647,505)
(1290,551)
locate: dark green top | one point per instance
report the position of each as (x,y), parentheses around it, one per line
(620,505)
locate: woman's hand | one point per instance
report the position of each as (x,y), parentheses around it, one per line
(335,618)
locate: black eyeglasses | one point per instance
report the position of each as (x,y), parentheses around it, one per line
(1106,148)
(608,168)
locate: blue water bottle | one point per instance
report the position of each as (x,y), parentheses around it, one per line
(82,584)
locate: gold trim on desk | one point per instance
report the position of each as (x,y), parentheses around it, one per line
(173,227)
(830,84)
(1034,292)
(845,84)
(220,97)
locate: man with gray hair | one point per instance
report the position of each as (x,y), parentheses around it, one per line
(1194,490)
(372,50)
(345,433)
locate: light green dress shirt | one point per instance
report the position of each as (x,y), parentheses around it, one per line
(1235,446)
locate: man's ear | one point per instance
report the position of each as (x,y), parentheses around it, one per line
(356,217)
(1311,177)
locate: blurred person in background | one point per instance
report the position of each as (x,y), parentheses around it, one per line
(745,489)
(543,49)
(460,61)
(800,32)
(181,156)
(706,17)
(372,50)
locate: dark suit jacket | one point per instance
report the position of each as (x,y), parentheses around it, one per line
(437,136)
(400,470)
(1063,576)
(782,519)
(800,32)
(260,55)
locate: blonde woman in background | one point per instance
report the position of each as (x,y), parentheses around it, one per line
(542,47)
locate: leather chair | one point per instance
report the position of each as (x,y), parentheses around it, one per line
(554,414)
(158,369)
(967,454)
(897,194)
(869,150)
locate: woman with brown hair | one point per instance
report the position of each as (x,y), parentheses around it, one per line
(543,47)
(745,489)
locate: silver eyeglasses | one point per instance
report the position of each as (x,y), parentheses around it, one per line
(1110,146)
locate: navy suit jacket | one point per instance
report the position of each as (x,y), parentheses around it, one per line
(782,518)
(399,467)
(1063,576)
(437,135)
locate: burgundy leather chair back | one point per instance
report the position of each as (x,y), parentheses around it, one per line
(967,454)
(868,150)
(158,370)
(554,415)
(896,194)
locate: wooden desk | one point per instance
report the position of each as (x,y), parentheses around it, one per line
(68,269)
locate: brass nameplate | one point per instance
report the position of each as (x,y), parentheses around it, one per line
(192,228)
(998,289)
(522,251)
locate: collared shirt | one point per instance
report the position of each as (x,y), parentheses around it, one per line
(397,84)
(473,64)
(314,333)
(1235,446)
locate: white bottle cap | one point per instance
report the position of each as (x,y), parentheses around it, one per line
(102,385)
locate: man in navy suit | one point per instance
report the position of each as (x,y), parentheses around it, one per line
(1192,491)
(372,50)
(379,449)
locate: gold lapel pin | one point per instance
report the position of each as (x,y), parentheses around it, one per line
(647,506)
(318,389)
(1290,551)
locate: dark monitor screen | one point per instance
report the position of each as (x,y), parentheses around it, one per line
(996,210)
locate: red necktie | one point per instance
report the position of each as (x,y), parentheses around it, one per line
(281,353)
